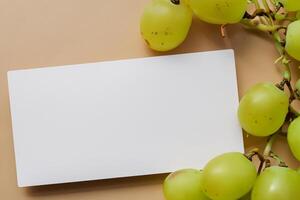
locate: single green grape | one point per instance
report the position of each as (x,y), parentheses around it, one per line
(293,39)
(165,25)
(184,185)
(228,176)
(291,5)
(263,109)
(219,11)
(294,138)
(277,183)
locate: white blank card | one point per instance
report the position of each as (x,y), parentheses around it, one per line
(123,118)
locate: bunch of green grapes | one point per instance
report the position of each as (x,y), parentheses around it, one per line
(232,176)
(228,176)
(165,23)
(263,111)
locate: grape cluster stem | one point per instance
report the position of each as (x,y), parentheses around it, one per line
(264,18)
(267,156)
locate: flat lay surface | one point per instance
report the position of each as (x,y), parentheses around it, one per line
(44,33)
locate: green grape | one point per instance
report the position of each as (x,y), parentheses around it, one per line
(263,109)
(277,183)
(184,185)
(228,176)
(165,25)
(291,5)
(293,39)
(219,11)
(294,138)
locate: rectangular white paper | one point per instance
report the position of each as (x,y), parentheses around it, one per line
(123,118)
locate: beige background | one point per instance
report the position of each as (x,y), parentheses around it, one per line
(36,33)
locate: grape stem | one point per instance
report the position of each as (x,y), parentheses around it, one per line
(294,111)
(267,23)
(268,18)
(223,30)
(280,162)
(268,153)
(176,2)
(264,159)
(287,82)
(269,145)
(261,27)
(266,6)
(255,152)
(256,3)
(292,94)
(281,85)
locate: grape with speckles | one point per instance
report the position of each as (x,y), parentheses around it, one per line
(165,24)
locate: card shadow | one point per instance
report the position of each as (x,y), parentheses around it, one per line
(96,185)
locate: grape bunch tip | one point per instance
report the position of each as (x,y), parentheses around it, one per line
(266,110)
